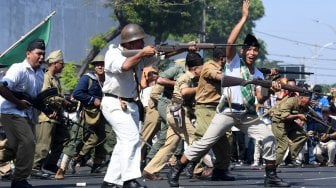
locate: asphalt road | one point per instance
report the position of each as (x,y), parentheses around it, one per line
(245,177)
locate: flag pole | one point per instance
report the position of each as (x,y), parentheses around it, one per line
(24,36)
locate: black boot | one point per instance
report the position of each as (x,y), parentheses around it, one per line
(174,174)
(133,184)
(271,179)
(189,169)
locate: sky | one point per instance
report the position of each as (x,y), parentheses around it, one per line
(301,32)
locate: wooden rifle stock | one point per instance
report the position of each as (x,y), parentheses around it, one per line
(166,48)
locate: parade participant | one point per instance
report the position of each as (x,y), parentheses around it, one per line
(18,117)
(236,108)
(208,93)
(50,133)
(120,108)
(180,113)
(160,95)
(88,92)
(288,120)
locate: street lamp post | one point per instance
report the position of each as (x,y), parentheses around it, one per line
(314,57)
(328,25)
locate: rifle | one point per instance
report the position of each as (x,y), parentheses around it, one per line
(312,116)
(228,81)
(65,120)
(268,71)
(164,49)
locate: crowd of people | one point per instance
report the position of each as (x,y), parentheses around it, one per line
(129,117)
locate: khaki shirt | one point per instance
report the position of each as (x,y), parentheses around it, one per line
(51,81)
(209,89)
(186,80)
(286,108)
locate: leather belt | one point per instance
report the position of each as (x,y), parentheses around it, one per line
(122,98)
(235,106)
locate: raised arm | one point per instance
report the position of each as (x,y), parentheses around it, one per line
(231,50)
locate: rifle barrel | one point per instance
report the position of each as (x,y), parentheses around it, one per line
(268,71)
(185,46)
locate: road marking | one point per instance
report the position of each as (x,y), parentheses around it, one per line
(320,178)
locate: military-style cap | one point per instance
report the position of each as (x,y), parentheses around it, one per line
(131,32)
(317,88)
(305,94)
(36,44)
(97,59)
(55,56)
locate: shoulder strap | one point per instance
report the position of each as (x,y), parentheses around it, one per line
(91,77)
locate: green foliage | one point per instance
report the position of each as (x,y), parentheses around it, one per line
(181,20)
(98,41)
(68,77)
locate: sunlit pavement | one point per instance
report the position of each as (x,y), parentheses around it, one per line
(245,177)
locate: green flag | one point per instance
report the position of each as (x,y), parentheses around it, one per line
(17,52)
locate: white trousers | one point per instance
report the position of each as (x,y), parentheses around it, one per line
(125,159)
(223,122)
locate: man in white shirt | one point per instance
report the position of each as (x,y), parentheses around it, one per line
(18,117)
(236,108)
(120,108)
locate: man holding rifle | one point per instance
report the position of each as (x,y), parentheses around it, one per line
(18,118)
(288,120)
(237,106)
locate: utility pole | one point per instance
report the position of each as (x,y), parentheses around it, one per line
(203,26)
(203,34)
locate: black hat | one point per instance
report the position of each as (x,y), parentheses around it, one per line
(317,88)
(36,44)
(250,40)
(305,94)
(194,59)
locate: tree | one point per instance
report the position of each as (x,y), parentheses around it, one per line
(177,20)
(97,43)
(68,77)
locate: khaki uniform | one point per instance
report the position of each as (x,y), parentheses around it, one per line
(287,132)
(50,134)
(175,132)
(207,97)
(163,96)
(152,119)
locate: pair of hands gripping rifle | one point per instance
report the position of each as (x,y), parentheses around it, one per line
(329,132)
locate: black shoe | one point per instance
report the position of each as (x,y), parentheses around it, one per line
(271,179)
(21,184)
(132,184)
(39,174)
(221,175)
(108,185)
(275,181)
